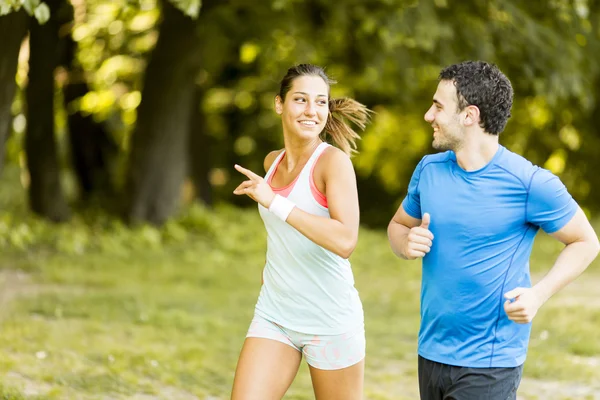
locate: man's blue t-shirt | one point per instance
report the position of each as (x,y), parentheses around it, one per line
(483,223)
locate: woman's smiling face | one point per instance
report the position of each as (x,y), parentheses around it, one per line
(305,109)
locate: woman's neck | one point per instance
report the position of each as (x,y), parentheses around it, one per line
(298,152)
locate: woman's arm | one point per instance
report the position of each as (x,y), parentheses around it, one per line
(337,234)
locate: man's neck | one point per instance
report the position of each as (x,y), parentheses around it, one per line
(477,153)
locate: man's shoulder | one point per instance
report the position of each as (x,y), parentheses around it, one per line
(437,158)
(517,166)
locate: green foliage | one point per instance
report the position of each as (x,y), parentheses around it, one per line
(9,393)
(385,53)
(388,55)
(190,8)
(92,231)
(114,39)
(98,232)
(35,8)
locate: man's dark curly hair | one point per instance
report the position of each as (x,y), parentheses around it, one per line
(485,86)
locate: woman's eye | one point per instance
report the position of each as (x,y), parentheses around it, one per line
(300,99)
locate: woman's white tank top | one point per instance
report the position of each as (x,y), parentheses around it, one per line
(306,288)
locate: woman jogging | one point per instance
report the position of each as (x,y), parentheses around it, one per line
(309,204)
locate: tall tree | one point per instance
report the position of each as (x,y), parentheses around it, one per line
(12,31)
(92,148)
(158,160)
(45,192)
(200,151)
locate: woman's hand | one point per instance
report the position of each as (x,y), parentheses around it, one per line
(255,187)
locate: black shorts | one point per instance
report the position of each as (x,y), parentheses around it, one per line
(447,382)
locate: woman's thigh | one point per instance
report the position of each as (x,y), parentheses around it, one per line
(339,384)
(337,365)
(265,370)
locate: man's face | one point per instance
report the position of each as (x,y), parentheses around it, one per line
(444,117)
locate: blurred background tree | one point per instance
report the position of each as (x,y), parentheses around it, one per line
(138,106)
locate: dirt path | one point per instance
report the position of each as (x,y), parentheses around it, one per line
(12,284)
(534,389)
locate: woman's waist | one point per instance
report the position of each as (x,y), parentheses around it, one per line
(307,272)
(304,307)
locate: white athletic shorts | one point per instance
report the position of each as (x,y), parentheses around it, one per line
(328,352)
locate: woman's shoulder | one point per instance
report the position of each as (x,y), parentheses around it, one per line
(270,158)
(332,159)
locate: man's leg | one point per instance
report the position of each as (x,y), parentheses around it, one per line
(431,379)
(484,383)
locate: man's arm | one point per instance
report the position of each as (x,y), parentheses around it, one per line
(581,248)
(409,237)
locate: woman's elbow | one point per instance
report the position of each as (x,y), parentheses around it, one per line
(346,248)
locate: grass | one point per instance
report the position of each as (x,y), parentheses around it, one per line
(93,310)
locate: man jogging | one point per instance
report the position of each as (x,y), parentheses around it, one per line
(472,213)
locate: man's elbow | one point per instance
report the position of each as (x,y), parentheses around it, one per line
(390,233)
(595,246)
(389,230)
(590,247)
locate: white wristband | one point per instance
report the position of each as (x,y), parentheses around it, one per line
(281,207)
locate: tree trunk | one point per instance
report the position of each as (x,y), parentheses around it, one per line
(200,160)
(158,160)
(12,30)
(92,148)
(45,193)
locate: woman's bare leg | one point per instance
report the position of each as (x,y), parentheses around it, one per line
(265,370)
(340,384)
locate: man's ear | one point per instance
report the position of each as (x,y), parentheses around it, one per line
(471,115)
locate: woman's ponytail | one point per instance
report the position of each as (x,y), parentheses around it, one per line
(341,111)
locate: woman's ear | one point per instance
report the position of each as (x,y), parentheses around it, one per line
(278,105)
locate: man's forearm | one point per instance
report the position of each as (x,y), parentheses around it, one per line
(397,236)
(571,262)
